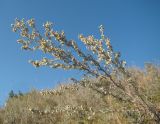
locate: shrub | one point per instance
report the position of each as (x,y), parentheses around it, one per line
(79,103)
(99,61)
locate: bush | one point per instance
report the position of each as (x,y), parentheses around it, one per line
(117,90)
(80,103)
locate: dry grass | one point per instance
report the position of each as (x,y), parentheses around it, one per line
(77,104)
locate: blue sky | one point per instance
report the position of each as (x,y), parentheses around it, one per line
(132,25)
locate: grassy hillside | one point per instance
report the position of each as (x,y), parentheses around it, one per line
(80,103)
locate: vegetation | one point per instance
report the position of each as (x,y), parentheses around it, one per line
(79,103)
(109,92)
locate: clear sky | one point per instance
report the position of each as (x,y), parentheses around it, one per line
(132,25)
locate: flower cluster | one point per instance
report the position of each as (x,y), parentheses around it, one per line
(70,110)
(63,50)
(50,92)
(60,90)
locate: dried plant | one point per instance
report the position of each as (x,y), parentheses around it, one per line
(98,60)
